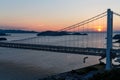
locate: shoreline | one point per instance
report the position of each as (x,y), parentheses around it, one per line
(78,74)
(16,71)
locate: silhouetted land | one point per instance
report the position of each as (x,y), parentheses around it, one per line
(117,36)
(79,74)
(95,72)
(57,33)
(16,31)
(113,74)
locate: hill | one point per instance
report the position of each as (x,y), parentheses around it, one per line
(16,31)
(57,33)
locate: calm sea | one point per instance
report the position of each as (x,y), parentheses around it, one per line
(21,64)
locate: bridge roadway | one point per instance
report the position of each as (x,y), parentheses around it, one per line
(63,49)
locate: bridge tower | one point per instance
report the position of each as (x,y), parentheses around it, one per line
(109,39)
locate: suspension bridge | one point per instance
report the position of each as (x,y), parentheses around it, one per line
(98,42)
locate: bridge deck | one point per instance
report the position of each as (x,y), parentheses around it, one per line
(63,49)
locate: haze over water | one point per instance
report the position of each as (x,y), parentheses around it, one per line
(42,15)
(24,63)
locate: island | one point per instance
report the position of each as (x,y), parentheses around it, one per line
(59,33)
(5,32)
(16,31)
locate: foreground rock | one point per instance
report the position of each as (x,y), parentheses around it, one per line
(117,36)
(113,74)
(79,74)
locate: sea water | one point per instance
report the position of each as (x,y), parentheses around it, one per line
(23,64)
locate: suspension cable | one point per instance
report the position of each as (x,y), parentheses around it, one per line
(116,13)
(78,25)
(83,22)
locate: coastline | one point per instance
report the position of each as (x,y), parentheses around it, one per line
(13,71)
(78,74)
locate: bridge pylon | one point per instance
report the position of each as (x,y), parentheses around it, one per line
(109,39)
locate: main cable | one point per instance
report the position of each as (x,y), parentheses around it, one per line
(83,21)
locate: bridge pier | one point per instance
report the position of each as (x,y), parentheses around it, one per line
(109,39)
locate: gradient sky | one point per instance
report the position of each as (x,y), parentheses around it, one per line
(42,15)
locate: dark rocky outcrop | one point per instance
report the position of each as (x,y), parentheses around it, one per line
(117,36)
(3,39)
(79,74)
(113,74)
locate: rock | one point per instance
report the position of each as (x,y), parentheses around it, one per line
(117,36)
(3,39)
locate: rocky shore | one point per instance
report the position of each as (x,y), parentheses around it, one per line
(79,74)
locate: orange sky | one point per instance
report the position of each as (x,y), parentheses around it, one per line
(40,15)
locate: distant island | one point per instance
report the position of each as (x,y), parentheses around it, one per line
(16,31)
(43,33)
(56,33)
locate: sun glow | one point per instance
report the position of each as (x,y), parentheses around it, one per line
(99,28)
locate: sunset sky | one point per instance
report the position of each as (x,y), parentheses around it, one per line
(42,15)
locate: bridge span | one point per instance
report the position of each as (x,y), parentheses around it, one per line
(86,45)
(62,49)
